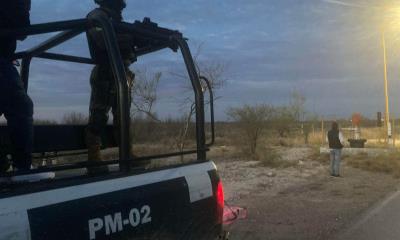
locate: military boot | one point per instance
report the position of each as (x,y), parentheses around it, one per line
(93,143)
(94,153)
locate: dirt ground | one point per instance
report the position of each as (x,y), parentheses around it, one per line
(299,202)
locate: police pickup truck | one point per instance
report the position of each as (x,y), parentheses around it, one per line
(182,201)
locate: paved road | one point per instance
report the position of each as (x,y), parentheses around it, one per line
(382,222)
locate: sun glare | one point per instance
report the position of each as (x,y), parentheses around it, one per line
(391,19)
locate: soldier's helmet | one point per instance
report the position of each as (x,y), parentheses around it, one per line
(119,4)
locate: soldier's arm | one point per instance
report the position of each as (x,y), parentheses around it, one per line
(126,47)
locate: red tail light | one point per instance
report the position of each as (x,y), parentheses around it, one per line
(220,200)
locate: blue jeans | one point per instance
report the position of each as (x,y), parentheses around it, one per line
(17,108)
(335,161)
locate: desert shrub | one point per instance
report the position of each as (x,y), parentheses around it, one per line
(271,157)
(251,121)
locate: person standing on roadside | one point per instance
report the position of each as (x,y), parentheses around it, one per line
(336,142)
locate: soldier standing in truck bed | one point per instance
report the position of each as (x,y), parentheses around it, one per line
(102,81)
(15,103)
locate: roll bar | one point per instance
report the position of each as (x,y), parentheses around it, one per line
(150,38)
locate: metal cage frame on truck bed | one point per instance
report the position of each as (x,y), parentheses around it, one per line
(152,38)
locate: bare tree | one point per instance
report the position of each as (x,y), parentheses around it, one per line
(214,71)
(252,120)
(180,140)
(283,120)
(145,93)
(297,102)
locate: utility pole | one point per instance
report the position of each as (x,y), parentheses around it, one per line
(387,120)
(322,132)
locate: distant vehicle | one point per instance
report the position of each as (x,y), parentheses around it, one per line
(183,201)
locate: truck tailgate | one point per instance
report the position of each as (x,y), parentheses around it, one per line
(176,203)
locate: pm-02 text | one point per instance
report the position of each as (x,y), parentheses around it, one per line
(114,223)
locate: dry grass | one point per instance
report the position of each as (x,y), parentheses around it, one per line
(376,138)
(293,140)
(316,138)
(374,133)
(386,163)
(267,153)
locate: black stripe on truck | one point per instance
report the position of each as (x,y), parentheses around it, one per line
(155,210)
(160,210)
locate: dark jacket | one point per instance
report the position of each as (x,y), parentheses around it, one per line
(96,41)
(333,139)
(13,14)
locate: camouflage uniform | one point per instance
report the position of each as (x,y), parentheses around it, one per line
(104,89)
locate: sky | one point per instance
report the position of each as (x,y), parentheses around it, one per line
(328,50)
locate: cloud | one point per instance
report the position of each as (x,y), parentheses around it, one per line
(343,3)
(271,47)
